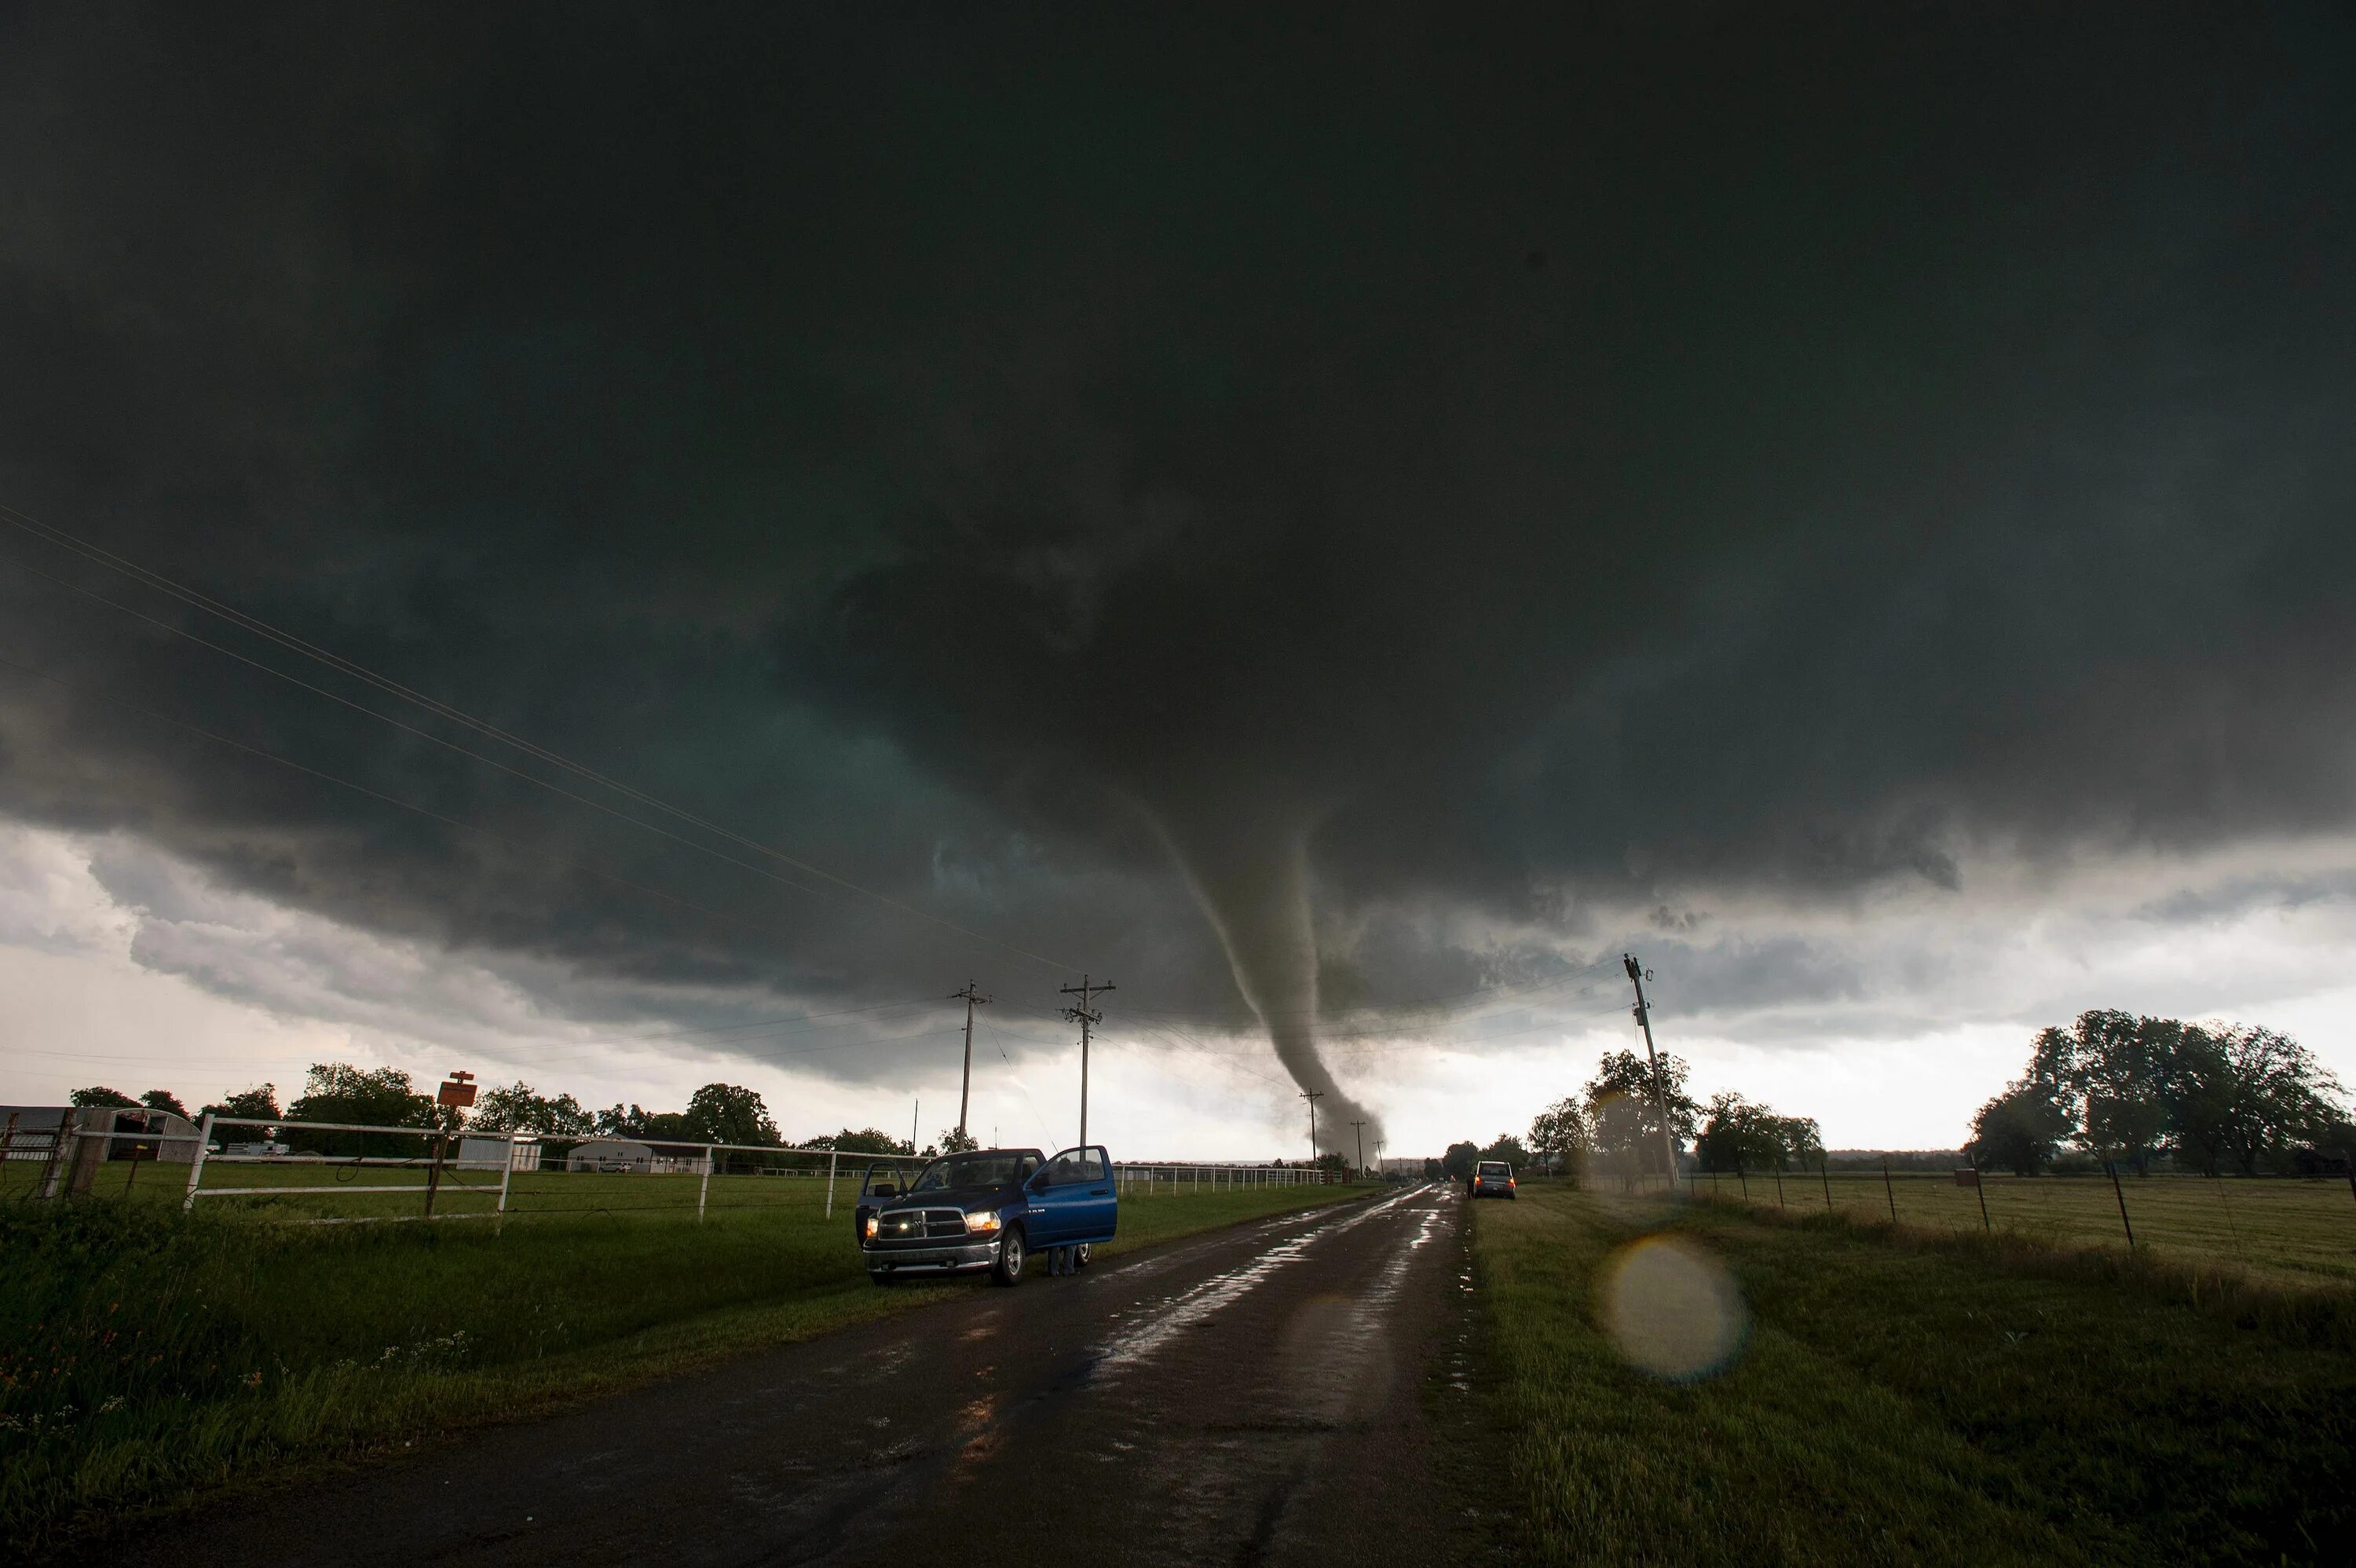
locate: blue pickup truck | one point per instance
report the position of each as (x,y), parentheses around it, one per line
(990,1209)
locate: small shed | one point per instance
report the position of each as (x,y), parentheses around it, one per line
(490,1154)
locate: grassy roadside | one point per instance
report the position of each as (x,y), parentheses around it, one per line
(148,1360)
(2282,1229)
(1911,1399)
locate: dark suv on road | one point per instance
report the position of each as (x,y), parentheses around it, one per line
(988,1209)
(1491,1178)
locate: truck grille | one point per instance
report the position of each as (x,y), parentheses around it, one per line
(914,1224)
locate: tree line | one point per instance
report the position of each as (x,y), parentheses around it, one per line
(2112,1085)
(2205,1097)
(1612,1127)
(387,1098)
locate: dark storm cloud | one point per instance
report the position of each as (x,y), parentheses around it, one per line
(1065,477)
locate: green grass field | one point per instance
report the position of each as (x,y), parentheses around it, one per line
(387,1191)
(2285,1231)
(1903,1395)
(149,1358)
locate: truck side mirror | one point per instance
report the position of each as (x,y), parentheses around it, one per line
(884,1190)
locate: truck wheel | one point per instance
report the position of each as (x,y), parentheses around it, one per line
(1080,1257)
(1011,1256)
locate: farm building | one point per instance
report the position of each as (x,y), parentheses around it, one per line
(32,1133)
(629,1153)
(490,1154)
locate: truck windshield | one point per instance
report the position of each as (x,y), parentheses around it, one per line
(970,1171)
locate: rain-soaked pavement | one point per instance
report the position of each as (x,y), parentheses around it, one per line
(1254,1396)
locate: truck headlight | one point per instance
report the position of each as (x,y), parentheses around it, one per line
(870,1227)
(981,1221)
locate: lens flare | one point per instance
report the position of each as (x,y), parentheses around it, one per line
(1672,1309)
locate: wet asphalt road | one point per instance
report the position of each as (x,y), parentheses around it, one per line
(1253,1396)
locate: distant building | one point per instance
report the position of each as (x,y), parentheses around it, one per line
(174,1139)
(490,1154)
(33,1133)
(629,1155)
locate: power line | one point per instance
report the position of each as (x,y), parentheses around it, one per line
(258,627)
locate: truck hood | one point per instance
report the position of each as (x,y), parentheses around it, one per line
(950,1198)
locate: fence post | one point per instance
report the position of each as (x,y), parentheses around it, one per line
(53,1169)
(831,1157)
(1888,1190)
(1743,1179)
(703,1188)
(1824,1175)
(1979,1185)
(433,1175)
(506,1175)
(1779,1187)
(2121,1194)
(2349,1156)
(197,1166)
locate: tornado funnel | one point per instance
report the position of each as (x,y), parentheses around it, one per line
(1247,862)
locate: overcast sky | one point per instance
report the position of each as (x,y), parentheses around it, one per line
(1342,523)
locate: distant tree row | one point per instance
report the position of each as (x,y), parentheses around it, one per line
(2204,1096)
(1612,1126)
(387,1098)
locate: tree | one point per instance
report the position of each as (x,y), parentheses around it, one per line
(165,1100)
(2020,1130)
(955,1142)
(869,1140)
(100,1095)
(726,1114)
(339,1092)
(259,1103)
(1803,1141)
(1509,1148)
(2204,1095)
(1623,1114)
(1334,1161)
(520,1108)
(1741,1135)
(2278,1096)
(634,1121)
(1460,1159)
(1559,1137)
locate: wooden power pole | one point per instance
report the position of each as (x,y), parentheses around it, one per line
(1313,1096)
(972,995)
(1660,1090)
(1086,1019)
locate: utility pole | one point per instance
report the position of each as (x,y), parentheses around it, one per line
(1660,1090)
(972,994)
(1313,1096)
(1361,1146)
(1086,1019)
